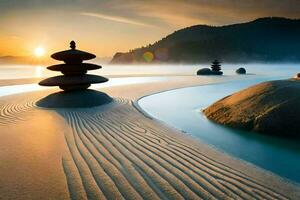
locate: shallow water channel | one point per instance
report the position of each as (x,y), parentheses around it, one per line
(181,108)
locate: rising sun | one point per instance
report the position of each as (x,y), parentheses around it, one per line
(39,51)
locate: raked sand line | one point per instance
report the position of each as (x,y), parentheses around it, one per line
(13,112)
(117,153)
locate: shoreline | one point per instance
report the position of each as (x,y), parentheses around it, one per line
(80,144)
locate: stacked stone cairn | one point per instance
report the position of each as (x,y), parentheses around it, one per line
(74,71)
(216,68)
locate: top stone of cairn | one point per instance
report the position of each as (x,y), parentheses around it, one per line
(73,56)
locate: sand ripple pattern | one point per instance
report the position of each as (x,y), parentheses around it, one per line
(120,154)
(11,113)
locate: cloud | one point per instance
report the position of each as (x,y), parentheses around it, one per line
(116,19)
(181,13)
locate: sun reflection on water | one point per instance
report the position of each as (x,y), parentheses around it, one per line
(38,72)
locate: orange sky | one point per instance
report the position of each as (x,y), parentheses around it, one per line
(108,26)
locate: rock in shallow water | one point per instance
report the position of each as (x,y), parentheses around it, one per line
(241,71)
(207,71)
(271,107)
(204,71)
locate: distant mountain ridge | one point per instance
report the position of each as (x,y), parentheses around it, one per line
(270,39)
(12,59)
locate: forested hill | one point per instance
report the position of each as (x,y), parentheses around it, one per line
(261,40)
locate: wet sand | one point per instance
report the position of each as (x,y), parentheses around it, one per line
(115,151)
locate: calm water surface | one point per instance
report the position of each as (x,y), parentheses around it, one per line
(39,71)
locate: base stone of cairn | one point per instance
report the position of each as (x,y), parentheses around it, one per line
(75,99)
(74,71)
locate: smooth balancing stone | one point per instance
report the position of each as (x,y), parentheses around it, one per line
(74,87)
(73,80)
(74,67)
(73,56)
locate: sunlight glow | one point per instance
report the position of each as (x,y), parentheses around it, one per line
(39,51)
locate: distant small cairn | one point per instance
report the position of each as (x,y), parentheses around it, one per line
(74,70)
(241,71)
(215,69)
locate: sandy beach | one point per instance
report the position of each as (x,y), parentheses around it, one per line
(116,151)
